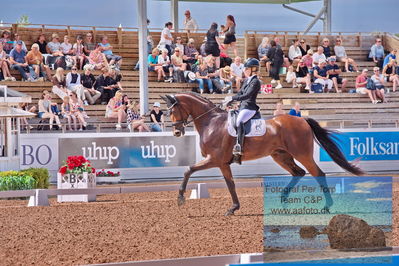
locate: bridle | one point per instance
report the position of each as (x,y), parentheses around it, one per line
(185,122)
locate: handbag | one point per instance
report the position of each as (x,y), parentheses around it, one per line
(317,88)
(370,84)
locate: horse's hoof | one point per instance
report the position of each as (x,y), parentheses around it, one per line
(180,200)
(229,213)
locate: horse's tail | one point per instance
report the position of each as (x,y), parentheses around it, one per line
(324,138)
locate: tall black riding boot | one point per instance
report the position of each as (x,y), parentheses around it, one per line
(238,148)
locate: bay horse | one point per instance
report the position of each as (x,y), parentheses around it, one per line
(287,138)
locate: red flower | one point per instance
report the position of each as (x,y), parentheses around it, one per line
(93,170)
(63,170)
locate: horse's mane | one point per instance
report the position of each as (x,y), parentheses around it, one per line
(203,99)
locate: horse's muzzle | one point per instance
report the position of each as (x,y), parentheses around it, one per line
(178,133)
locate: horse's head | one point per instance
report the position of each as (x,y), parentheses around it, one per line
(177,113)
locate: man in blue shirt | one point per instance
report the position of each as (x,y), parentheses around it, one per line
(321,75)
(392,55)
(107,50)
(296,110)
(18,62)
(333,72)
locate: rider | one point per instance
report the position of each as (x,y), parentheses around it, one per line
(248,108)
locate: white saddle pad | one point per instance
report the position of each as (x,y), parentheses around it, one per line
(258,128)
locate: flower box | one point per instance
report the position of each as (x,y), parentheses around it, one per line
(76,181)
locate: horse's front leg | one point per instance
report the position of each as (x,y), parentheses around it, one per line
(228,177)
(202,165)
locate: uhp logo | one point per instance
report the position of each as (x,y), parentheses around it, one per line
(158,151)
(101,153)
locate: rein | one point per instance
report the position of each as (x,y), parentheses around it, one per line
(188,122)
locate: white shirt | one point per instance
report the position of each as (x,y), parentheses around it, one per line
(190,24)
(164,41)
(237,70)
(163,61)
(294,52)
(250,78)
(317,57)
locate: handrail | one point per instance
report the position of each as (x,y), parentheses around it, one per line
(315,32)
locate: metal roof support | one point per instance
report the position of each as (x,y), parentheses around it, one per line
(143,69)
(174,13)
(325,11)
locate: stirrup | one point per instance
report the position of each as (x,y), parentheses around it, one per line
(237,149)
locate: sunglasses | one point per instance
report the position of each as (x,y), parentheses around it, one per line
(74,69)
(302,42)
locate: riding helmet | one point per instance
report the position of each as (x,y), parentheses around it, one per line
(252,62)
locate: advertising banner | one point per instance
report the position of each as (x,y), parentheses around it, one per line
(367,146)
(131,152)
(38,150)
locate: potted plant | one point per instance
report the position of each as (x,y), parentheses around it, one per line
(76,172)
(108,176)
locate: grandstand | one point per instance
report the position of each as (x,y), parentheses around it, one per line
(331,110)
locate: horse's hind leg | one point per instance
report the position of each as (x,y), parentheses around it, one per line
(320,177)
(202,165)
(228,177)
(286,161)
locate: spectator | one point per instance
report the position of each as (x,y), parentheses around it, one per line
(308,59)
(107,50)
(6,41)
(56,58)
(225,79)
(89,45)
(263,48)
(390,74)
(157,119)
(326,47)
(177,60)
(45,112)
(278,45)
(167,38)
(102,86)
(59,83)
(35,60)
(212,43)
(318,56)
(164,61)
(291,76)
(361,86)
(150,41)
(97,59)
(24,120)
(387,58)
(302,74)
(74,84)
(213,74)
(125,101)
(153,64)
(18,62)
(296,110)
(237,72)
(114,78)
(333,72)
(115,109)
(67,51)
(87,80)
(340,53)
(66,113)
(377,53)
(78,111)
(229,33)
(379,82)
(190,52)
(199,61)
(294,52)
(134,120)
(276,56)
(202,47)
(78,52)
(321,75)
(4,65)
(41,41)
(190,25)
(202,77)
(304,47)
(17,38)
(179,44)
(225,60)
(279,109)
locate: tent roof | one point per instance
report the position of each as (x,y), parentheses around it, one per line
(249,1)
(7,111)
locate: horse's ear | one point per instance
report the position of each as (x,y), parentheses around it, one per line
(163,98)
(171,98)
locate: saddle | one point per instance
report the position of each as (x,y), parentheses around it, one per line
(254,127)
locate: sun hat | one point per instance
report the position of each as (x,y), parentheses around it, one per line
(157,104)
(19,42)
(191,76)
(35,45)
(332,58)
(227,69)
